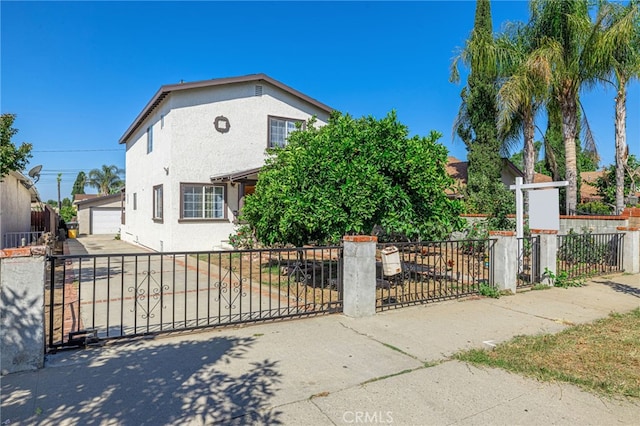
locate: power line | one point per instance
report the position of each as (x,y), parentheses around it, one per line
(77,150)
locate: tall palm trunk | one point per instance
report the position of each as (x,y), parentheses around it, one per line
(621,144)
(529,154)
(569,107)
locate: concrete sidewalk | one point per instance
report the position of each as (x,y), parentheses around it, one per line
(392,368)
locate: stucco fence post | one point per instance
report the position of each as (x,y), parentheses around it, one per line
(505,260)
(548,254)
(22,274)
(359,275)
(631,249)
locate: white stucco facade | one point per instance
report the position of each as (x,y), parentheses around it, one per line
(15,204)
(188,149)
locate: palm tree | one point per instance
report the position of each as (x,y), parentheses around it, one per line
(522,93)
(617,59)
(106,179)
(563,36)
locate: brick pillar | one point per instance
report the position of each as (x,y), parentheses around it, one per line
(359,278)
(22,308)
(548,253)
(505,260)
(631,254)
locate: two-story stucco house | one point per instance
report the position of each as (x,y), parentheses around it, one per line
(194,151)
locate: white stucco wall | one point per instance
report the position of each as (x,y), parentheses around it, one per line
(188,149)
(15,206)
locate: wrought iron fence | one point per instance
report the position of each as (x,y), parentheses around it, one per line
(411,273)
(528,261)
(125,295)
(20,239)
(585,255)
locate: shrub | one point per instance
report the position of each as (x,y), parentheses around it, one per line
(244,238)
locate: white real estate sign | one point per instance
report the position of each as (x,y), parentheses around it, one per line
(544,209)
(519,187)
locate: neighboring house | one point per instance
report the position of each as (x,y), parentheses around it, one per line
(16,195)
(194,151)
(82,197)
(588,189)
(99,214)
(457,169)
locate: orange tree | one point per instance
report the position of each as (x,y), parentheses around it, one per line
(349,177)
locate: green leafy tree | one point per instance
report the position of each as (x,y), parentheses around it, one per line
(352,176)
(517,159)
(12,158)
(106,179)
(607,184)
(476,123)
(68,211)
(79,184)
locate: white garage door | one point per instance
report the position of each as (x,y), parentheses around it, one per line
(105,221)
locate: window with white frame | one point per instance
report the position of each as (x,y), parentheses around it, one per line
(202,201)
(157,202)
(279,130)
(149,139)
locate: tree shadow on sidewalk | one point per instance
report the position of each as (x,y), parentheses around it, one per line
(149,383)
(621,288)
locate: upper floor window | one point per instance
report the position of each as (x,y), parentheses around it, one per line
(157,202)
(279,130)
(149,139)
(202,201)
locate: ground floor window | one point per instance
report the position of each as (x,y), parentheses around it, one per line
(202,201)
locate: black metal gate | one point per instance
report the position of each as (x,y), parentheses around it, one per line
(586,255)
(421,272)
(97,297)
(528,261)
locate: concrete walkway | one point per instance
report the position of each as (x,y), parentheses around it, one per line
(393,368)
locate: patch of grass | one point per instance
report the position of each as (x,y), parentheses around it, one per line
(602,357)
(541,287)
(561,279)
(488,291)
(388,376)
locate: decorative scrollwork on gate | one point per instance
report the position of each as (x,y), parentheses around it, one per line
(230,288)
(149,288)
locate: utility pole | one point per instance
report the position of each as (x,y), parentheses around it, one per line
(59,204)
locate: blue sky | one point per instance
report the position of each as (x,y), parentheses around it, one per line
(78,73)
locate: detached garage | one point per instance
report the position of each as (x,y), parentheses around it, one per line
(100,215)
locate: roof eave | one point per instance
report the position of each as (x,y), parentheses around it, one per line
(165,90)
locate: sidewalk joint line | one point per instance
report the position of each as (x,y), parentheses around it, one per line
(534,315)
(394,348)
